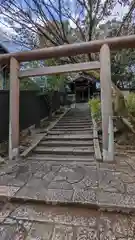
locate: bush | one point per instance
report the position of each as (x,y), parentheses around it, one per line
(95,107)
(131,103)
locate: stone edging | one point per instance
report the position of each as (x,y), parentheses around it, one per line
(112,208)
(41,136)
(24,132)
(98,154)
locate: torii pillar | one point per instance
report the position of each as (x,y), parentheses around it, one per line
(106,104)
(14,110)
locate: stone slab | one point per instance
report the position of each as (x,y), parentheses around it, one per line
(58,128)
(64,150)
(53,157)
(59,196)
(110,199)
(29,221)
(70,136)
(85,196)
(40,231)
(66,143)
(110,181)
(8,191)
(5,210)
(69,132)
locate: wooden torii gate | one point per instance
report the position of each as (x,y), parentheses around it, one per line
(102,46)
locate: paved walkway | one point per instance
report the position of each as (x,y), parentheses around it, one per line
(40,222)
(101,185)
(62,169)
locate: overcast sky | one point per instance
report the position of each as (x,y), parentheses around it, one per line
(118,12)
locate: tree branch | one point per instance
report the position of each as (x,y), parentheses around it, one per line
(126,17)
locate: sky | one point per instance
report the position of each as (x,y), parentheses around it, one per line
(118,13)
(6,41)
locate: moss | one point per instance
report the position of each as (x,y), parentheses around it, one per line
(130,101)
(95,107)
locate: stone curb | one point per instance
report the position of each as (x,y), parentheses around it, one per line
(24,132)
(42,135)
(98,154)
(52,202)
(112,208)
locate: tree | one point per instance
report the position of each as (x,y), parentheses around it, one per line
(44,23)
(127,25)
(51,23)
(123,61)
(123,72)
(28,84)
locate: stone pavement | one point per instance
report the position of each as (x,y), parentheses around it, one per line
(40,222)
(62,170)
(99,185)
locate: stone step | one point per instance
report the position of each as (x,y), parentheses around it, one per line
(79,126)
(75,123)
(81,116)
(40,222)
(65,150)
(70,131)
(61,158)
(72,137)
(76,118)
(66,143)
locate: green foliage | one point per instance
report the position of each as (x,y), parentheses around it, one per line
(55,82)
(95,107)
(131,103)
(28,84)
(122,66)
(25,84)
(45,82)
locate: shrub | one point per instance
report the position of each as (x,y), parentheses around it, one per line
(95,107)
(131,103)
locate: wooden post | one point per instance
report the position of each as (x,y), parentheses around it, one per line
(106,104)
(14,110)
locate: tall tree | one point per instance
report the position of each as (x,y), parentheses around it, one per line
(55,22)
(43,23)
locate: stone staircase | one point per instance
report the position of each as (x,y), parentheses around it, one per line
(60,192)
(71,139)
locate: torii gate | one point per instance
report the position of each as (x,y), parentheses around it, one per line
(102,46)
